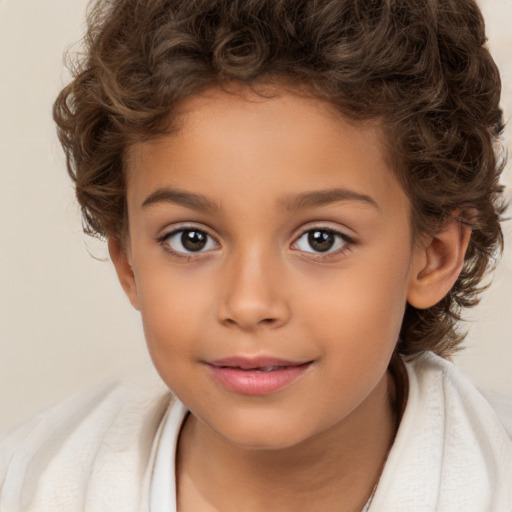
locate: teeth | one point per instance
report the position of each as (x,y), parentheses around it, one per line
(269,368)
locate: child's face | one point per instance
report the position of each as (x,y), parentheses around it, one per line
(271,229)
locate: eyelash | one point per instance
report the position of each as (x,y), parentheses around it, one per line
(182,256)
(348,243)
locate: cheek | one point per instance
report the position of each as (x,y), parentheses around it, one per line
(173,315)
(355,325)
(362,308)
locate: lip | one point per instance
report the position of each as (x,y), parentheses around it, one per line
(256,376)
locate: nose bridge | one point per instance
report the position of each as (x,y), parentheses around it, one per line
(253,294)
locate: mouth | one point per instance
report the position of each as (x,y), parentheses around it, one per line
(259,376)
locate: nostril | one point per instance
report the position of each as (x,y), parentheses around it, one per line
(263,321)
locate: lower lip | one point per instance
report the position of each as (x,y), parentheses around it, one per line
(253,382)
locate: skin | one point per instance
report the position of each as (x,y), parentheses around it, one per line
(260,288)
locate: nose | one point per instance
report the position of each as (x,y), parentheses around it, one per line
(253,293)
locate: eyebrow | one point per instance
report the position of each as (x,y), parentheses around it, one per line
(324,197)
(305,200)
(181,198)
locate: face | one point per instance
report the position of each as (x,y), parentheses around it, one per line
(271,252)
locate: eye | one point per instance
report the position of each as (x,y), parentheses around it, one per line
(321,240)
(189,240)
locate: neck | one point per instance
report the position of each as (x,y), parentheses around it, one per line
(335,470)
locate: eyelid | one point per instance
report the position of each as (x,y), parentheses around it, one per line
(319,226)
(182,226)
(327,226)
(345,237)
(172,230)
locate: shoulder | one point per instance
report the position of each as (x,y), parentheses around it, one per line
(452,450)
(502,406)
(87,444)
(430,369)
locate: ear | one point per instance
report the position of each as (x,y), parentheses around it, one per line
(437,264)
(121,260)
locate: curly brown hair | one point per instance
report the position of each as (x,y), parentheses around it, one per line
(419,66)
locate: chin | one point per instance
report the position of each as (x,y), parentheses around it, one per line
(260,432)
(269,441)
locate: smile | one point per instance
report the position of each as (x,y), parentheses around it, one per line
(257,376)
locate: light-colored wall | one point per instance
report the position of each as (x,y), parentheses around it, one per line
(64,322)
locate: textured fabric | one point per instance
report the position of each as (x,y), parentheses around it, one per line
(451,453)
(163,482)
(89,454)
(114,450)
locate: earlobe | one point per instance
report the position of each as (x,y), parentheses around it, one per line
(120,259)
(437,264)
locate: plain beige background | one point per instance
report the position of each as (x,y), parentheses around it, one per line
(64,322)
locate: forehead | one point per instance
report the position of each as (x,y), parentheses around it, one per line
(232,143)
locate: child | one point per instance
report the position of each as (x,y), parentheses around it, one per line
(300,197)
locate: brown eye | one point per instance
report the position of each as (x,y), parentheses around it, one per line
(189,240)
(193,240)
(321,241)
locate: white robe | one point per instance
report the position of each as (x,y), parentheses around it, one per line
(113,451)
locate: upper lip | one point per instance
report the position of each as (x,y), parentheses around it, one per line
(248,363)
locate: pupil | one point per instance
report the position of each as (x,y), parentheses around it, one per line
(321,241)
(193,240)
